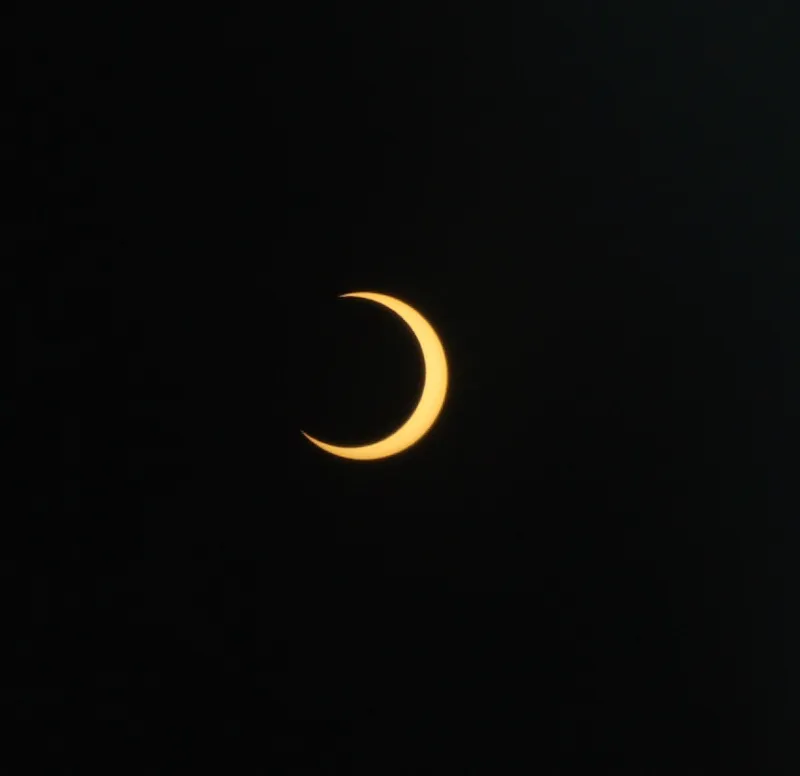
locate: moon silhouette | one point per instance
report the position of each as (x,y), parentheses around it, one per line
(431,399)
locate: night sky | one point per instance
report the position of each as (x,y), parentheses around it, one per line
(587,566)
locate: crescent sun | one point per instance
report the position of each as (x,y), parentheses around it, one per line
(431,399)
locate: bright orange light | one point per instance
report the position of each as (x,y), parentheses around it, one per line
(431,400)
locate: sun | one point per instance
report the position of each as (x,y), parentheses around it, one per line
(431,400)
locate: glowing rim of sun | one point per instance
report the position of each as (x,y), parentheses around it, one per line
(431,399)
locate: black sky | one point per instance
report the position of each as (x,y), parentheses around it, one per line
(585,565)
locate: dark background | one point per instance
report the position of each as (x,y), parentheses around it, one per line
(587,565)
